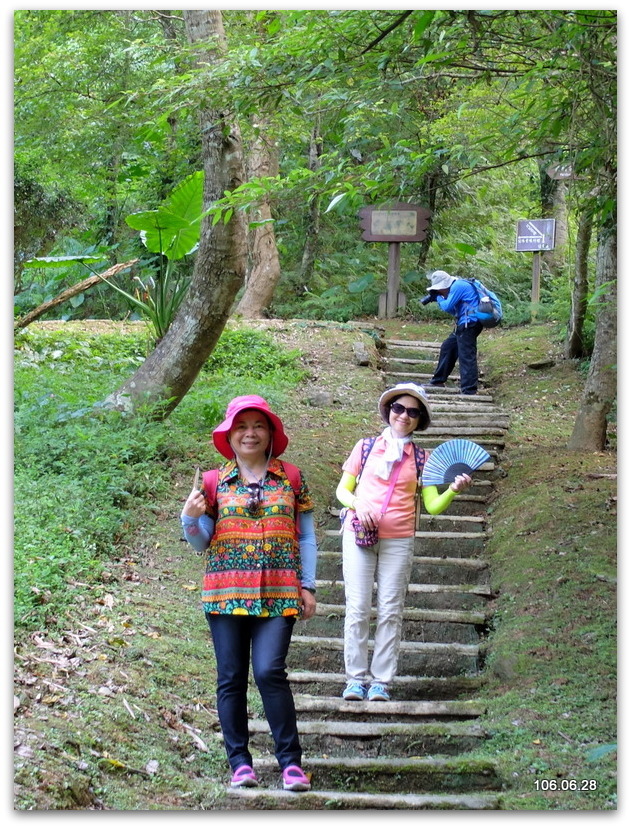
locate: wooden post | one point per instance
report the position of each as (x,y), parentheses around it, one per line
(394,271)
(536,283)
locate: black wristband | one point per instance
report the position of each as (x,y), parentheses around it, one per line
(310,589)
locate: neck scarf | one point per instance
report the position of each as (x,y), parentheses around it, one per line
(393,452)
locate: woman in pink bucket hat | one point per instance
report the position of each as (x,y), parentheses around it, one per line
(254,520)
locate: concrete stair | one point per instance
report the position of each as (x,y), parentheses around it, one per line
(414,752)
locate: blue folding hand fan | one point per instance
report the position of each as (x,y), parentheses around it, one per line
(451,459)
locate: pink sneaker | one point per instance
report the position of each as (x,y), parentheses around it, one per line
(294,779)
(244,777)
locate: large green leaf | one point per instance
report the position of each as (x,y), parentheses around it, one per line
(174,228)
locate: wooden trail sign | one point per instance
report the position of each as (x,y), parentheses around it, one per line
(535,235)
(393,223)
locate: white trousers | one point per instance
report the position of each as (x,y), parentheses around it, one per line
(389,563)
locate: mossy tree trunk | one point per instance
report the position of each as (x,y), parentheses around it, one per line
(574,342)
(590,427)
(312,230)
(263,271)
(169,371)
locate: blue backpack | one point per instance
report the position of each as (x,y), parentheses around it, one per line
(489,310)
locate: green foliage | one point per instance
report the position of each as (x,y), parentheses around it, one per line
(173,232)
(252,355)
(39,215)
(77,471)
(173,229)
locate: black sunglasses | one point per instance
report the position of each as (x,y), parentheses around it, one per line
(414,413)
(254,501)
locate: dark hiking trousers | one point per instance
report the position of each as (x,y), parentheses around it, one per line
(236,639)
(460,346)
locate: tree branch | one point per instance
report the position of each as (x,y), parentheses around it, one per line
(62,297)
(387,31)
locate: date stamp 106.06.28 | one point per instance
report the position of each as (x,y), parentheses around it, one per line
(566,784)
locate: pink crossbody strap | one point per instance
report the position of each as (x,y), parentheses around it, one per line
(394,474)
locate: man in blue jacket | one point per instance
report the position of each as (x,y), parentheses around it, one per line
(459,298)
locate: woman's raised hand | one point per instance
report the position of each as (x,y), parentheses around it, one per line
(195,505)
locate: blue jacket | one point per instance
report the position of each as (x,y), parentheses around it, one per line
(461,302)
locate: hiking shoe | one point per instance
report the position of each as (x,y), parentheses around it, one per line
(354,691)
(378,692)
(295,779)
(244,777)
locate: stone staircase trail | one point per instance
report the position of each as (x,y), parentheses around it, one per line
(412,753)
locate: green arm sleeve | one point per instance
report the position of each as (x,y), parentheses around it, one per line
(345,489)
(436,503)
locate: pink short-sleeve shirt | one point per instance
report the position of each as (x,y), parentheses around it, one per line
(398,521)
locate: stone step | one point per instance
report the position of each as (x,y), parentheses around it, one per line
(457,405)
(471,432)
(421,774)
(419,377)
(413,688)
(444,522)
(418,625)
(420,657)
(451,523)
(404,364)
(417,615)
(452,393)
(470,419)
(326,707)
(412,344)
(421,596)
(426,569)
(334,800)
(333,625)
(472,531)
(376,739)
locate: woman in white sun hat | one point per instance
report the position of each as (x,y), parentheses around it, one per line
(385,468)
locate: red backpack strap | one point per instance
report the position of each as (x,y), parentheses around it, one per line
(293,475)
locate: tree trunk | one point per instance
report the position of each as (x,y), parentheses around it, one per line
(312,231)
(170,370)
(574,344)
(590,427)
(554,205)
(264,266)
(428,198)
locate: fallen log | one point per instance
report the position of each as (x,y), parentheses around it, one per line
(80,287)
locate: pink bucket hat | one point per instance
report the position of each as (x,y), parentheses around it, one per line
(236,406)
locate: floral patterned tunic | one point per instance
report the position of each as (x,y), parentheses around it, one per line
(253,564)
